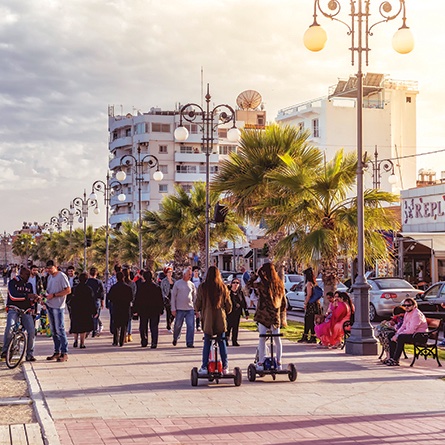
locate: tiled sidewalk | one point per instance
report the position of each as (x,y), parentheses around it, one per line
(109,395)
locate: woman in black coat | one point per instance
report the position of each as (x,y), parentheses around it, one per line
(121,297)
(83,309)
(149,306)
(238,307)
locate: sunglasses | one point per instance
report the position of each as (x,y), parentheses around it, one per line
(235,282)
(407,305)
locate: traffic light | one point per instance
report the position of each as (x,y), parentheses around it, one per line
(220,213)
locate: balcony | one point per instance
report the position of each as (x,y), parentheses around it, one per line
(126,141)
(196,157)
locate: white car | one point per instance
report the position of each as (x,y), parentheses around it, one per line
(295,297)
(292,279)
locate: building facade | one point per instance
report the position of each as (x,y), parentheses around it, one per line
(389,124)
(182,163)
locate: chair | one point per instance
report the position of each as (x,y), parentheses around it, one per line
(425,343)
(346,332)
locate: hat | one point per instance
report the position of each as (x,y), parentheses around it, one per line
(167,269)
(49,263)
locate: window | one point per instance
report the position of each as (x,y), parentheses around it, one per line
(408,99)
(301,126)
(187,187)
(222,132)
(160,128)
(186,149)
(115,135)
(163,149)
(315,128)
(213,169)
(186,169)
(128,132)
(226,149)
(260,119)
(163,188)
(192,128)
(163,169)
(140,128)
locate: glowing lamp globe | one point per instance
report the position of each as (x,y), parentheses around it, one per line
(181,134)
(403,41)
(158,176)
(120,175)
(234,135)
(121,197)
(96,211)
(392,179)
(315,38)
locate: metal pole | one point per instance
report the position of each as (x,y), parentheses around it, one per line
(361,341)
(139,181)
(107,228)
(208,135)
(85,213)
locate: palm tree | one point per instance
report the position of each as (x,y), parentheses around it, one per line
(180,224)
(316,210)
(244,178)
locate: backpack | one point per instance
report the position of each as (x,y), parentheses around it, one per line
(317,293)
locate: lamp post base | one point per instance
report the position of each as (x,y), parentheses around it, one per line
(362,340)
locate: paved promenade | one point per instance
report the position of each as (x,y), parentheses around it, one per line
(115,396)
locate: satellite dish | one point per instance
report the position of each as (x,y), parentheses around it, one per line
(249,100)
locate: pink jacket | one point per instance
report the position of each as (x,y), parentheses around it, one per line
(413,322)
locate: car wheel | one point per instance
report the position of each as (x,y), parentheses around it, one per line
(372,312)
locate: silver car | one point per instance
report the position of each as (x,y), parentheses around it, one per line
(387,293)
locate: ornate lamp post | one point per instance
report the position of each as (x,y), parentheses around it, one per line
(107,188)
(361,341)
(6,240)
(139,164)
(208,121)
(83,204)
(383,164)
(67,216)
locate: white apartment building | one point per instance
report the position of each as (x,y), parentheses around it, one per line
(389,124)
(180,162)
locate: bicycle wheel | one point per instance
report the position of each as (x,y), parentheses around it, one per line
(16,350)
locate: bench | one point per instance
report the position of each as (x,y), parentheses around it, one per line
(425,343)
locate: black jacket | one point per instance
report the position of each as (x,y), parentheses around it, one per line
(148,300)
(18,291)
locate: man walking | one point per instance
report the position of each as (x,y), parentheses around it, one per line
(182,301)
(20,295)
(99,296)
(57,288)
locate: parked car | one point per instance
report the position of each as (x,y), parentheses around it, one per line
(295,297)
(228,276)
(292,279)
(386,293)
(430,302)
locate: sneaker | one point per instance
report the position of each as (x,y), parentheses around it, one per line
(3,356)
(392,362)
(199,329)
(75,344)
(279,367)
(259,367)
(174,342)
(441,343)
(62,358)
(190,346)
(170,330)
(30,359)
(303,340)
(55,356)
(225,371)
(202,371)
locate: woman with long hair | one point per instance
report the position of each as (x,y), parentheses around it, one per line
(213,303)
(132,284)
(271,309)
(311,308)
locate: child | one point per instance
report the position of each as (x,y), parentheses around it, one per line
(388,326)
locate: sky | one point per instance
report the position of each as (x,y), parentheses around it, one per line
(63,62)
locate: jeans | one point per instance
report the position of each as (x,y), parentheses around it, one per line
(96,320)
(396,347)
(57,323)
(221,339)
(189,316)
(262,343)
(28,324)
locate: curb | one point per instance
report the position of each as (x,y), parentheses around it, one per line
(47,427)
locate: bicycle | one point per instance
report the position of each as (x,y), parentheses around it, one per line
(19,340)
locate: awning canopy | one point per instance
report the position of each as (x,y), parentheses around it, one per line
(435,240)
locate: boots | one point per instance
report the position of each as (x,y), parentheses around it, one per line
(313,339)
(303,339)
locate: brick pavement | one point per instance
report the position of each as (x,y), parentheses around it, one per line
(109,395)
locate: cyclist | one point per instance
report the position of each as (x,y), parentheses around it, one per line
(20,294)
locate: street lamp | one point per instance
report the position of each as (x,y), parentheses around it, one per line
(209,122)
(67,216)
(383,164)
(361,341)
(138,165)
(107,189)
(84,204)
(6,240)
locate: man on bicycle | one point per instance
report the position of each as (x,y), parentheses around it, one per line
(20,294)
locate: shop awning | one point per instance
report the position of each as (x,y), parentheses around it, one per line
(435,240)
